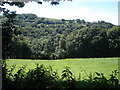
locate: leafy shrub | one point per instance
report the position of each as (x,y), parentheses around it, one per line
(41,77)
(67,76)
(46,77)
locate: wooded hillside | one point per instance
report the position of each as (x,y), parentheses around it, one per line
(44,38)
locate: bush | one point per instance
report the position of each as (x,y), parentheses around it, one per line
(46,77)
(41,77)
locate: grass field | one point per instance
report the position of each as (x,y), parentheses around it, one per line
(103,65)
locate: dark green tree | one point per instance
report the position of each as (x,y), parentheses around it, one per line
(8,29)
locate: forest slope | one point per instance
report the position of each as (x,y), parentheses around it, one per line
(44,38)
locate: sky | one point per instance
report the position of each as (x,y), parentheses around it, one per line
(91,10)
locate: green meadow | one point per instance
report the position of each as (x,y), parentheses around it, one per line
(77,66)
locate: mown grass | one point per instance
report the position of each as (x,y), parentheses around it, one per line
(78,65)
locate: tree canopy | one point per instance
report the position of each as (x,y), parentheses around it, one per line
(45,38)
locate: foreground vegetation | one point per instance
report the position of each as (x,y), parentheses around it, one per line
(62,74)
(46,77)
(36,74)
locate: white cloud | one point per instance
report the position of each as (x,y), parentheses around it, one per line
(81,13)
(67,12)
(89,15)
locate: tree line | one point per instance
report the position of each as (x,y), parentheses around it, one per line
(45,38)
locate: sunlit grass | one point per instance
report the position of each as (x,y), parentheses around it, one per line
(103,65)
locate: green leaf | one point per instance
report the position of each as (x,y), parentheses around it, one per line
(97,73)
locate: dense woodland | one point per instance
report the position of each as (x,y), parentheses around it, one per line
(44,38)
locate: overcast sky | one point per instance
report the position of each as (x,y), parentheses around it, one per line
(106,10)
